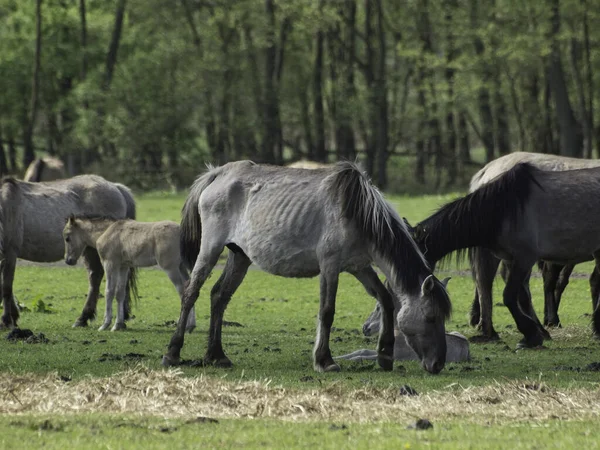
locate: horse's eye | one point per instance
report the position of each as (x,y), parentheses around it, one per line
(67,239)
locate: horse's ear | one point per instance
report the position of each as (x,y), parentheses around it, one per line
(445,281)
(427,285)
(409,227)
(71,219)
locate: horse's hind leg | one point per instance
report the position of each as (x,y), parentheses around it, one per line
(178,277)
(233,274)
(10,316)
(595,289)
(485,265)
(121,290)
(515,287)
(322,359)
(374,287)
(526,306)
(95,273)
(563,282)
(206,260)
(550,275)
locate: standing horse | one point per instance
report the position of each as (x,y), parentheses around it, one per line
(32,218)
(304,223)
(522,216)
(45,169)
(124,245)
(555,276)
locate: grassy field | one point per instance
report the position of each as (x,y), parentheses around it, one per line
(88,389)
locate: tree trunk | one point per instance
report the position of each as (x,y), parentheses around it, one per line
(382,137)
(111,56)
(451,164)
(320,152)
(344,133)
(271,130)
(583,112)
(29,153)
(12,154)
(588,77)
(369,71)
(571,141)
(3,160)
(483,96)
(464,144)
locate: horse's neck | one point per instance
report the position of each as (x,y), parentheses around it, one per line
(94,229)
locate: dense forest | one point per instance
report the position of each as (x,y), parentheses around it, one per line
(149,90)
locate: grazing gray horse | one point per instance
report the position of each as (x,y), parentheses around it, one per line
(522,216)
(45,169)
(304,223)
(32,218)
(484,263)
(124,245)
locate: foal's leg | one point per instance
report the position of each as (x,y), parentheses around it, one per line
(95,273)
(10,316)
(515,286)
(375,288)
(206,260)
(550,275)
(563,282)
(233,274)
(121,290)
(110,291)
(485,265)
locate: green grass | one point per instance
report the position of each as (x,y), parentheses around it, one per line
(275,343)
(97,431)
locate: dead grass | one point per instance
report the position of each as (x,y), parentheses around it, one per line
(167,393)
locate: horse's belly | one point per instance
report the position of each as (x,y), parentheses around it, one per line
(303,264)
(49,250)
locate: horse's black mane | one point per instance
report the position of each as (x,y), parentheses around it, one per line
(475,220)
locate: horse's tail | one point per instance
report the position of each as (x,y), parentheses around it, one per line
(11,231)
(190,232)
(129,200)
(364,206)
(132,286)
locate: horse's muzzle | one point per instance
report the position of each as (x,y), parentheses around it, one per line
(71,261)
(434,368)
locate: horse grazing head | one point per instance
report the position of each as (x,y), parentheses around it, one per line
(421,319)
(74,242)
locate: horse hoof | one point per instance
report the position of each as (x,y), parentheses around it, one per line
(534,342)
(80,324)
(332,368)
(119,327)
(385,362)
(104,327)
(170,361)
(190,329)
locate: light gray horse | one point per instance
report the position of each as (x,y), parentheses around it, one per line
(124,245)
(32,218)
(457,350)
(522,216)
(47,168)
(484,264)
(304,223)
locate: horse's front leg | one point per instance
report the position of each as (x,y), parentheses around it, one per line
(515,287)
(485,266)
(95,270)
(595,289)
(10,316)
(109,294)
(121,291)
(375,288)
(322,359)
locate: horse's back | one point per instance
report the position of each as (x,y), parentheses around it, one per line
(542,161)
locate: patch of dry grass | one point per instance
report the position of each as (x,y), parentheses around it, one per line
(167,393)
